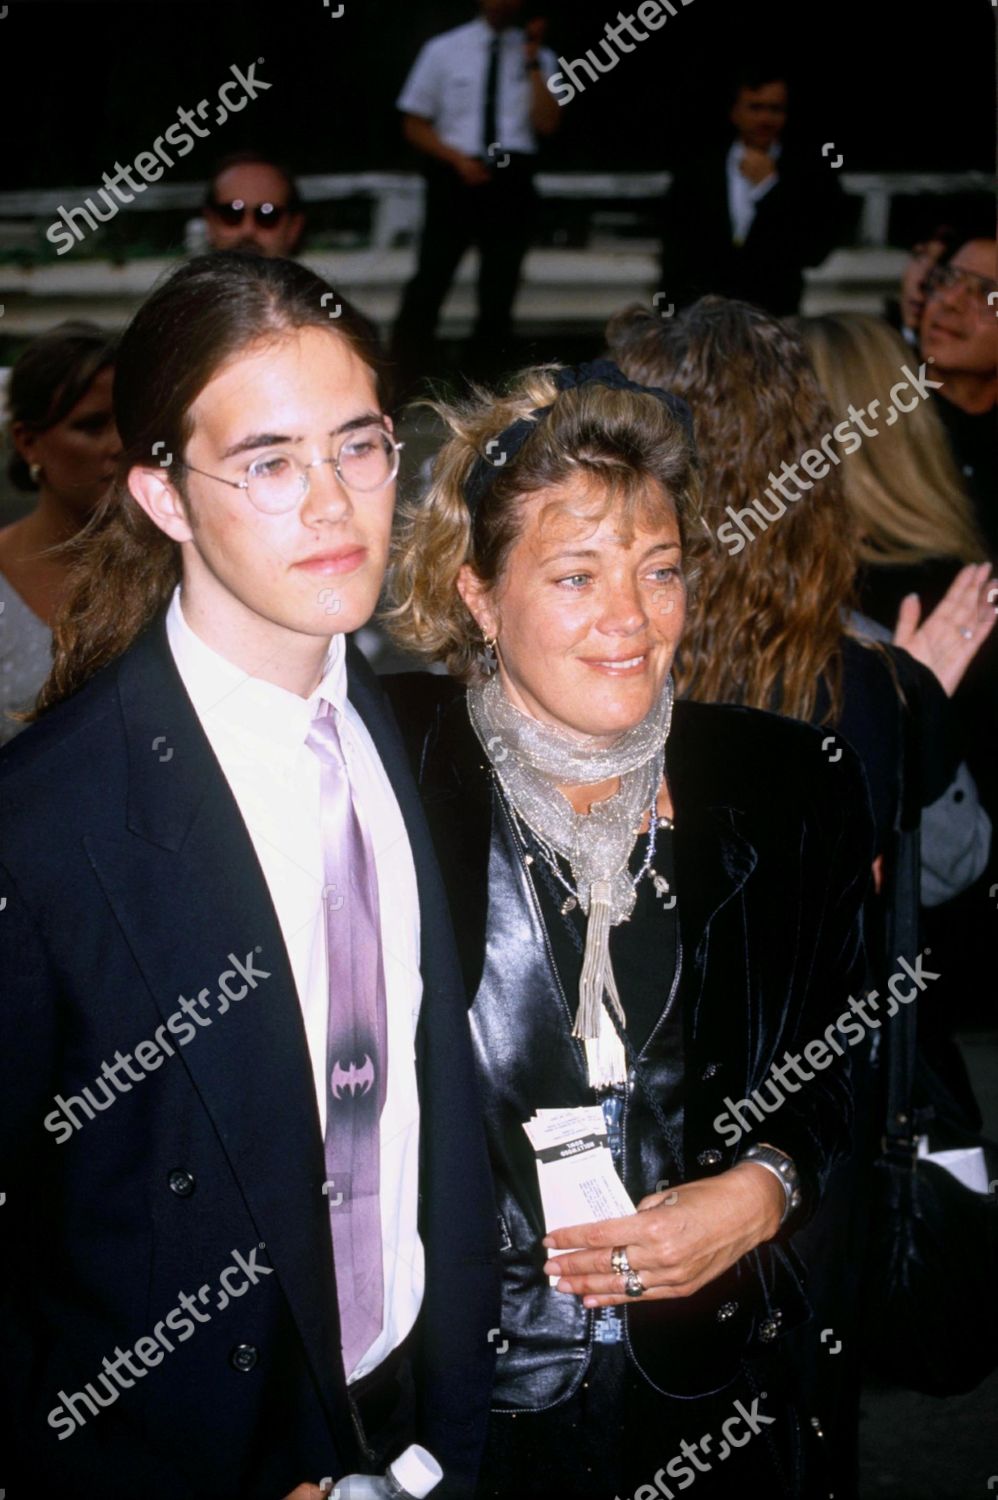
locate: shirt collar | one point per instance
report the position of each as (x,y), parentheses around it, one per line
(485,31)
(737,151)
(227,698)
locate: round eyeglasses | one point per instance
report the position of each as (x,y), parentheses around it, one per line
(946,278)
(367,460)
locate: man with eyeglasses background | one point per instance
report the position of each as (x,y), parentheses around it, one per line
(959,338)
(252,204)
(959,342)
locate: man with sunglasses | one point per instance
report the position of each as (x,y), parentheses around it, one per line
(252,204)
(959,337)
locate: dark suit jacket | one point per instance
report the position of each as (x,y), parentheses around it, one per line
(797,224)
(772,848)
(129,879)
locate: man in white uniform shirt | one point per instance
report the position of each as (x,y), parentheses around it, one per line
(215,870)
(474,105)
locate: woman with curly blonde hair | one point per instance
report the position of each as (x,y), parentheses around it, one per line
(621,868)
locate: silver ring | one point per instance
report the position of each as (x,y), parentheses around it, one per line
(620,1263)
(966,632)
(633,1285)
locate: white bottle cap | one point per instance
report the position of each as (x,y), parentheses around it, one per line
(417,1471)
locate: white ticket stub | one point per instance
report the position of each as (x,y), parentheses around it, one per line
(575,1170)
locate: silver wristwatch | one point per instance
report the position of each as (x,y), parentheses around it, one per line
(782,1167)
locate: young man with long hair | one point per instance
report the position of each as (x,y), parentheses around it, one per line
(247,1235)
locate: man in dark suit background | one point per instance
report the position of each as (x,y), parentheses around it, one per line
(746,221)
(178,1287)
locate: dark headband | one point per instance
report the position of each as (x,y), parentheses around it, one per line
(501,449)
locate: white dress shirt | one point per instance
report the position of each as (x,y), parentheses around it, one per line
(743,196)
(447,87)
(258,733)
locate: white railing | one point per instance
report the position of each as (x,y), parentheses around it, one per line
(397,197)
(562,287)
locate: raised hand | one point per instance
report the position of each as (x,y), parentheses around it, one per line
(947,640)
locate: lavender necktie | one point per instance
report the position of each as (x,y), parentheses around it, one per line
(356,1047)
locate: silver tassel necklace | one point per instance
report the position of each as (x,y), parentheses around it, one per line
(531,761)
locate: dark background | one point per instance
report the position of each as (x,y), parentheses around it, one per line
(896,86)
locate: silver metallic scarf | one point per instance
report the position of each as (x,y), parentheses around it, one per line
(532,760)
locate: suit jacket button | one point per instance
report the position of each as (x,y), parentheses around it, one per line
(181,1182)
(709,1158)
(726,1310)
(244,1357)
(709,1071)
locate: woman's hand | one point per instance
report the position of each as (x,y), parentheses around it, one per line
(948,639)
(676,1242)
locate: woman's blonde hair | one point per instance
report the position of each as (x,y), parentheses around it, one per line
(627,446)
(903,488)
(765,628)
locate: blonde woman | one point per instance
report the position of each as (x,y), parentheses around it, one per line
(915,523)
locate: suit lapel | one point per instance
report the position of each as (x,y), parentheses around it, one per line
(188,892)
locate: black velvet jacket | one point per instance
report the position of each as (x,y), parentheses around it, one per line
(772,845)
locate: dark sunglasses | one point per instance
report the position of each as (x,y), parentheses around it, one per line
(264,214)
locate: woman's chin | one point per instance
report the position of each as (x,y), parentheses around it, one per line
(617,711)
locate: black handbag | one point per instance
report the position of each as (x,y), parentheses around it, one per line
(931,1285)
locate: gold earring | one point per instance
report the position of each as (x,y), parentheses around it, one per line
(34,472)
(490,656)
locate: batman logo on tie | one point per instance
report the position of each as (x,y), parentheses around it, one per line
(353,1078)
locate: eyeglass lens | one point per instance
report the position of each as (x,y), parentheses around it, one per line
(947,278)
(367,460)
